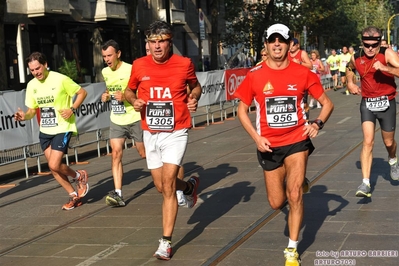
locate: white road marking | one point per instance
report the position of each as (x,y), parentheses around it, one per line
(103,254)
(344,120)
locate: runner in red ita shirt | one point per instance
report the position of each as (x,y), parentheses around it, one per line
(377,67)
(167,91)
(282,135)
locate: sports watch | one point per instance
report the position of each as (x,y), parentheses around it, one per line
(73,109)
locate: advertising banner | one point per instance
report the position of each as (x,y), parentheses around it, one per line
(15,133)
(233,78)
(93,114)
(212,84)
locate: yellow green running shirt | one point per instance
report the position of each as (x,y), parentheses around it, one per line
(53,94)
(122,113)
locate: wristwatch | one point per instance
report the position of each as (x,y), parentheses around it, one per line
(319,123)
(73,109)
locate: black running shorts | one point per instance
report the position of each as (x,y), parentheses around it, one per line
(273,160)
(387,118)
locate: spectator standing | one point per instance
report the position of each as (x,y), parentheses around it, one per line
(377,67)
(52,93)
(282,134)
(125,121)
(207,64)
(167,91)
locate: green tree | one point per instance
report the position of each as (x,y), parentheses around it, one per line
(335,23)
(327,24)
(3,71)
(247,22)
(373,13)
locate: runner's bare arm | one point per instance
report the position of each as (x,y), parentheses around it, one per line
(262,143)
(195,90)
(130,95)
(305,60)
(21,115)
(80,97)
(194,94)
(392,60)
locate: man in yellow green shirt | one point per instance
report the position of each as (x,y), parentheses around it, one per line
(52,93)
(344,59)
(333,62)
(125,121)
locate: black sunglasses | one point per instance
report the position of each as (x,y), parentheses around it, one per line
(274,37)
(374,45)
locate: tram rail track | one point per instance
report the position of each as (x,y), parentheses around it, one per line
(220,255)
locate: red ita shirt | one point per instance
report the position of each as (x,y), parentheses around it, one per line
(164,89)
(278,96)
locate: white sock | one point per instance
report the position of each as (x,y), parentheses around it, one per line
(119,192)
(292,243)
(73,194)
(366,181)
(392,161)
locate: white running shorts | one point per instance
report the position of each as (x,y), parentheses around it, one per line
(165,147)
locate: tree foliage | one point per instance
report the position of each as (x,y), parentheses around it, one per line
(329,23)
(247,22)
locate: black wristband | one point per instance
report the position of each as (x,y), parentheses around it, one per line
(319,123)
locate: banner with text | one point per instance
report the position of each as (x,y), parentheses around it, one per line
(15,133)
(234,77)
(93,114)
(212,84)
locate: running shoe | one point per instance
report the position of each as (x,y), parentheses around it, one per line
(164,251)
(363,190)
(306,186)
(113,199)
(192,199)
(291,257)
(82,186)
(72,203)
(181,198)
(394,170)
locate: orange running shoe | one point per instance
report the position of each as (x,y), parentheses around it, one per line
(72,203)
(82,187)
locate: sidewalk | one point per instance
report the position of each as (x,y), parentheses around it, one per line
(232,203)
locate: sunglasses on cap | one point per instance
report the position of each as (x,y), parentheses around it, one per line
(373,45)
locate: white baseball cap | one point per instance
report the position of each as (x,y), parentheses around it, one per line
(280,29)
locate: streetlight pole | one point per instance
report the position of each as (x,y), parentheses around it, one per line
(389,22)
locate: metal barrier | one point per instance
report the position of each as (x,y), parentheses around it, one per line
(35,151)
(14,155)
(81,140)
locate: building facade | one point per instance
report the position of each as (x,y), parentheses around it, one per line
(76,29)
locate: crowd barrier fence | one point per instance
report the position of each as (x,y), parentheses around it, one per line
(19,140)
(92,117)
